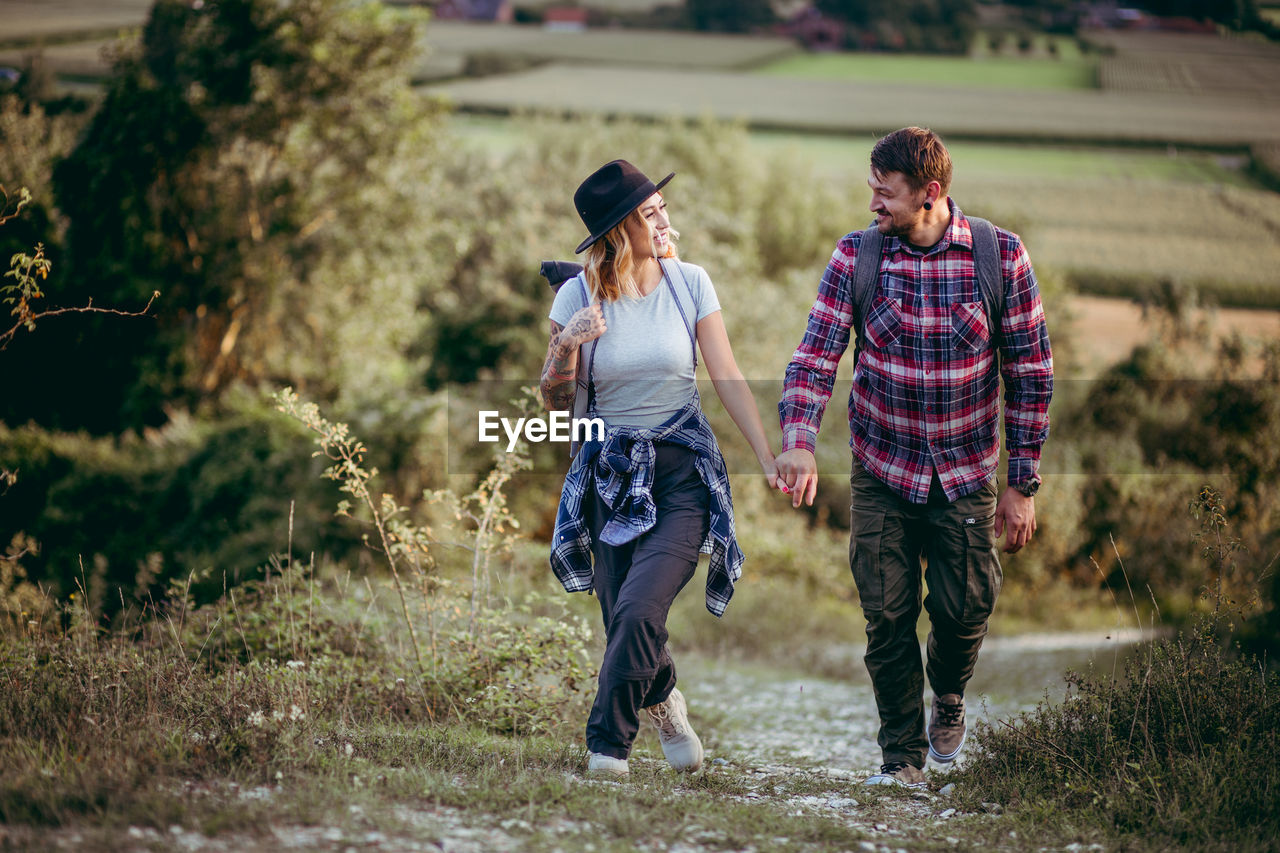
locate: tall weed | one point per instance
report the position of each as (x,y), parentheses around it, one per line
(1176,751)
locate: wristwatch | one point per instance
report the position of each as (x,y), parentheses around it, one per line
(1028,488)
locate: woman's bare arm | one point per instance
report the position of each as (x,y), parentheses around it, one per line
(560,369)
(559,372)
(733,390)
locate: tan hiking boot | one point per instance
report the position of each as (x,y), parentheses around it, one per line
(946,728)
(898,773)
(679,742)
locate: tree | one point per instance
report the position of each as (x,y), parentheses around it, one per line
(239,163)
(730,16)
(934,26)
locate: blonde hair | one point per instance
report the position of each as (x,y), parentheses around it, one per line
(611,261)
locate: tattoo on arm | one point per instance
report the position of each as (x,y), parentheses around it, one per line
(578,327)
(559,373)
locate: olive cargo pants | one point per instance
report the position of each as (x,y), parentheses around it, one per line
(956,540)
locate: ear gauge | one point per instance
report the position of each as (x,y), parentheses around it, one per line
(928,205)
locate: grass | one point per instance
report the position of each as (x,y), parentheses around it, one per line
(1174,754)
(152,732)
(997,72)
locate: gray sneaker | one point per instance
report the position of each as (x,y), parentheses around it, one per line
(946,728)
(680,743)
(898,773)
(603,766)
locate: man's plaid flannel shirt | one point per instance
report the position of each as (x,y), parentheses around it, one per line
(925,392)
(621,470)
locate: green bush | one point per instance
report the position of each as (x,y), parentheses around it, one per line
(123,517)
(1176,753)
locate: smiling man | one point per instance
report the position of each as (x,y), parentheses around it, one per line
(943,307)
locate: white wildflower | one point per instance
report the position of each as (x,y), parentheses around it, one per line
(296,713)
(348,749)
(296,664)
(277,715)
(257,720)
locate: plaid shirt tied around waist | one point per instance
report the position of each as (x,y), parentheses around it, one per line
(926,383)
(621,470)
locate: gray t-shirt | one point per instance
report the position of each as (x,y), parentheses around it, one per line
(643,370)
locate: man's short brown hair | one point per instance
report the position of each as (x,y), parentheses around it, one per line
(916,152)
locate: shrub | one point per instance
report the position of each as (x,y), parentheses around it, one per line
(1179,751)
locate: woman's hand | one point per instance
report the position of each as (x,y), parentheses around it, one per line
(771,472)
(585,325)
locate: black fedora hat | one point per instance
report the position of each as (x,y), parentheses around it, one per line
(609,194)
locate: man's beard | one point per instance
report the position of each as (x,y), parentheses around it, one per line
(896,228)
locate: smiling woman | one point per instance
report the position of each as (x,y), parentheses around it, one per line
(642,502)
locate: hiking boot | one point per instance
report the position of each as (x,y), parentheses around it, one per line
(946,728)
(679,742)
(606,766)
(898,773)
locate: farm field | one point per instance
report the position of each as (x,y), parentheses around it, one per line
(1189,63)
(996,72)
(833,106)
(624,47)
(1111,221)
(985,161)
(44,19)
(448,44)
(80,59)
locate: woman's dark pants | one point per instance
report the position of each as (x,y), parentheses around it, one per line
(636,584)
(957,541)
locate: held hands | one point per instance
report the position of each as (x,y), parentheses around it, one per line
(1016,516)
(585,325)
(798,475)
(770,469)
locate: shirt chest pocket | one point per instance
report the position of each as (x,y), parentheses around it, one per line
(969,329)
(884,324)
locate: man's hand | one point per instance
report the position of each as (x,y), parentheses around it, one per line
(798,475)
(1016,516)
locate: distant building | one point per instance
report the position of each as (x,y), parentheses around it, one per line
(565,18)
(496,11)
(815,30)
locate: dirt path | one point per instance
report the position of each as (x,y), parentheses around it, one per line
(774,717)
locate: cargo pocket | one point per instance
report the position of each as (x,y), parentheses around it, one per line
(864,559)
(984,576)
(969,329)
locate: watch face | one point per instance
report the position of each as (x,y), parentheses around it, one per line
(1029,488)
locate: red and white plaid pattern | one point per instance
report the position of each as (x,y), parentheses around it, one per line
(926,389)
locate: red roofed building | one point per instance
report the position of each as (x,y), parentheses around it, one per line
(566,18)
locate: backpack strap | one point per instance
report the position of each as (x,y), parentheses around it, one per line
(684,300)
(866,269)
(986,262)
(584,393)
